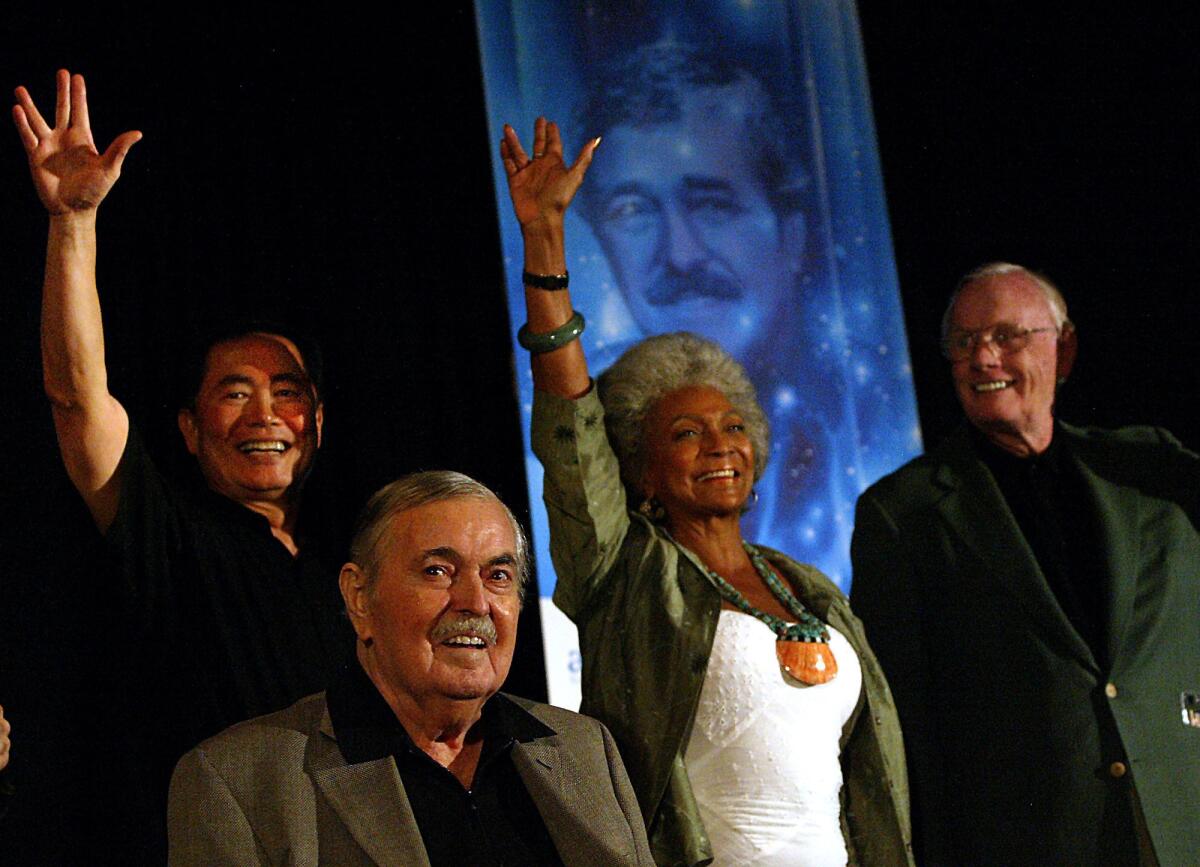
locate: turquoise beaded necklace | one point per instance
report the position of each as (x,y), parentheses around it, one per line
(807,626)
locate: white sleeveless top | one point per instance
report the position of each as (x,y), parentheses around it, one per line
(763,758)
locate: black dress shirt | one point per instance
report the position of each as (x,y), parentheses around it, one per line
(495,822)
(1057,518)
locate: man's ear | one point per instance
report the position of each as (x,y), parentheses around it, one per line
(352,581)
(319,415)
(793,236)
(1068,347)
(187,426)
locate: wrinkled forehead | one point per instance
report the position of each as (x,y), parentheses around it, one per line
(465,526)
(1013,298)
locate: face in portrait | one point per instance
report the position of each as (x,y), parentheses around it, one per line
(693,197)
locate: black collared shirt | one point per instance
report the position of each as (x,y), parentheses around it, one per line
(495,822)
(1050,502)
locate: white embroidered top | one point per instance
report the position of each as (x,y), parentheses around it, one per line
(763,758)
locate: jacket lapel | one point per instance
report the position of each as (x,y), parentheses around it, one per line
(548,777)
(1118,510)
(369,799)
(976,512)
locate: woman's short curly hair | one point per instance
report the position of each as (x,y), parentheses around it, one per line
(657,366)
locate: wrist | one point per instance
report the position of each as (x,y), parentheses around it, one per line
(544,248)
(70,222)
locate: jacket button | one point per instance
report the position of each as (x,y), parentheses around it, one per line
(1110,690)
(1117,770)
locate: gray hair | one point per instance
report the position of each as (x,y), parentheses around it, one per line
(657,366)
(411,492)
(1058,304)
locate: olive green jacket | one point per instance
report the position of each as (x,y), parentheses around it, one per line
(647,614)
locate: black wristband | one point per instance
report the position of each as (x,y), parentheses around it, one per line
(546,281)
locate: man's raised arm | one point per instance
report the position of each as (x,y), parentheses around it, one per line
(72,178)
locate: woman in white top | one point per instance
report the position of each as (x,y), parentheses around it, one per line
(752,717)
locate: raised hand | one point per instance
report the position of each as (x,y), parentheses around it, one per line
(5,728)
(70,175)
(542,186)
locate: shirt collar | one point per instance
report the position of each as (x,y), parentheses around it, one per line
(367,729)
(1002,460)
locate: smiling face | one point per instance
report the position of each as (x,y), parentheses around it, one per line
(1009,397)
(687,225)
(439,618)
(699,460)
(256,424)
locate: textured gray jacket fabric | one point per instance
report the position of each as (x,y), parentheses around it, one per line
(276,790)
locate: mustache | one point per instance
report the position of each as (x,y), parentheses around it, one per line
(700,281)
(464,624)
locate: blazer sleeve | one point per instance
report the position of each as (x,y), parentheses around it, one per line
(886,595)
(585,499)
(626,798)
(206,826)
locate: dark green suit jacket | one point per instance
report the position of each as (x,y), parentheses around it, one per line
(1012,727)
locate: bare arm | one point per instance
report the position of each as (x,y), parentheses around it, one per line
(541,189)
(5,744)
(72,178)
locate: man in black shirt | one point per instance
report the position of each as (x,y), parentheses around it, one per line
(1031,590)
(412,756)
(227,618)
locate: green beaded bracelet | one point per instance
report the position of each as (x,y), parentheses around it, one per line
(551,340)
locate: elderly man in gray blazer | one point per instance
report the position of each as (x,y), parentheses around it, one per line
(413,756)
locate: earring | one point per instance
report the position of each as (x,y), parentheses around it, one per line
(652,509)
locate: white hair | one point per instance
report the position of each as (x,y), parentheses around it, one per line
(1054,298)
(657,366)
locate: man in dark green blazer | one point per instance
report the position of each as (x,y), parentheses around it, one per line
(1032,591)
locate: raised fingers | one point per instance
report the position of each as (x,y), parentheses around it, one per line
(512,152)
(30,115)
(539,137)
(62,104)
(79,109)
(553,139)
(584,159)
(115,155)
(28,139)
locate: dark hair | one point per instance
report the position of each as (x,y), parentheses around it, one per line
(194,363)
(646,86)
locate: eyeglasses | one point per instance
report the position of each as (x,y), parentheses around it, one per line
(1004,339)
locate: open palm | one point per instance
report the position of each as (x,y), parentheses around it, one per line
(542,187)
(68,172)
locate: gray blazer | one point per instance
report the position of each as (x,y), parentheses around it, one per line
(276,790)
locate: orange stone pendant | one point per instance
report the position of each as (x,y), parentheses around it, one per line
(809,662)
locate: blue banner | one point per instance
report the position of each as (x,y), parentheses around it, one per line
(737,194)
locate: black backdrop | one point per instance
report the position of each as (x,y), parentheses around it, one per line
(334,169)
